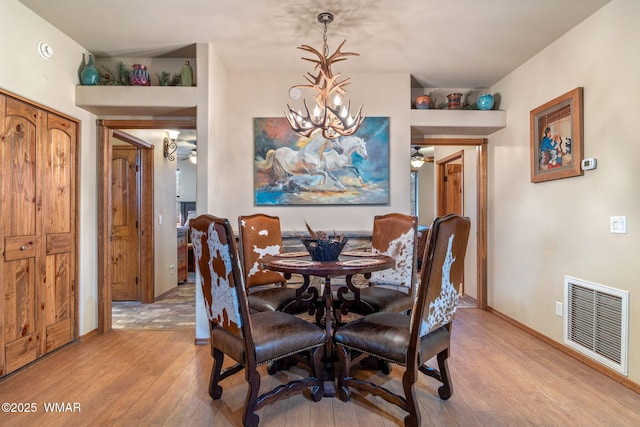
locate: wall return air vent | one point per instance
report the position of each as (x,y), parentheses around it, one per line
(596,322)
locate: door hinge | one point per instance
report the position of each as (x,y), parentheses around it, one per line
(136,280)
(446,178)
(136,224)
(137,168)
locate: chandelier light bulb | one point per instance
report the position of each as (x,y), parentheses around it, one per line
(336,101)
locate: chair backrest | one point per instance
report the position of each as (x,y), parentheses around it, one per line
(441,274)
(395,235)
(260,235)
(218,274)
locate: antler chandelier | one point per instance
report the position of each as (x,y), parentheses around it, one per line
(330,115)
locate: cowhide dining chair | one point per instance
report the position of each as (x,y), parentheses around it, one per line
(249,339)
(395,235)
(411,341)
(268,290)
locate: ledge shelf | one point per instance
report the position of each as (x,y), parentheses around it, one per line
(138,100)
(456,122)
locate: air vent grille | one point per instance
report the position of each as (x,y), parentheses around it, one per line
(596,322)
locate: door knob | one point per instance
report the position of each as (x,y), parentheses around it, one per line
(23,248)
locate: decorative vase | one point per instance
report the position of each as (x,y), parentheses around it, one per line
(485,102)
(89,75)
(139,76)
(187,74)
(423,102)
(454,101)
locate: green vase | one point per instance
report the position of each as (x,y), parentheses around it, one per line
(187,74)
(89,74)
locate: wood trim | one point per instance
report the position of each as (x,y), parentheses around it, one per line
(426,142)
(481,248)
(89,335)
(42,107)
(481,227)
(201,341)
(104,228)
(569,351)
(147,124)
(127,137)
(106,129)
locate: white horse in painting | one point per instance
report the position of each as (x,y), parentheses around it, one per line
(285,162)
(350,144)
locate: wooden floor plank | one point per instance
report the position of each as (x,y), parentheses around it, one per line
(502,377)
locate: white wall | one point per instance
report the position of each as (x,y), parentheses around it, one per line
(187,190)
(51,83)
(266,95)
(426,194)
(540,232)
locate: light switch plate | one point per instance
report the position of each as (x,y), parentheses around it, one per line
(618,224)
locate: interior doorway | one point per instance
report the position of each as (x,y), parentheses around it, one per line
(106,130)
(480,145)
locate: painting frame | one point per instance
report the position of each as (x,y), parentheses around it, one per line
(556,129)
(360,177)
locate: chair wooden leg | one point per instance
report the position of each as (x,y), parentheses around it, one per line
(251,419)
(408,381)
(344,362)
(318,372)
(446,389)
(215,391)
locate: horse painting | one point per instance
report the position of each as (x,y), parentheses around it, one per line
(350,144)
(284,163)
(292,170)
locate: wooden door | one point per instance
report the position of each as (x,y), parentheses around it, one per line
(453,189)
(19,227)
(125,222)
(57,185)
(449,188)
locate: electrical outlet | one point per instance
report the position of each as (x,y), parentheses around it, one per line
(558,308)
(159,219)
(171,267)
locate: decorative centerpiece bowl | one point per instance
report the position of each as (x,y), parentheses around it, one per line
(323,248)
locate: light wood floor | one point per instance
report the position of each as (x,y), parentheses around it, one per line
(502,377)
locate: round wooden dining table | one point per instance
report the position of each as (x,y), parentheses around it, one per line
(348,264)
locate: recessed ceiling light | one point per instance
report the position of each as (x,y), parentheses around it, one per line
(45,50)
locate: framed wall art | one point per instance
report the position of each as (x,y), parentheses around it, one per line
(556,138)
(294,170)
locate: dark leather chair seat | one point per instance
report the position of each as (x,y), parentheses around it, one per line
(268,328)
(386,336)
(271,299)
(384,299)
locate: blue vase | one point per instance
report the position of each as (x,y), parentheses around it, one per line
(485,102)
(89,74)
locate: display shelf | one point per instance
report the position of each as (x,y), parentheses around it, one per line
(456,122)
(138,100)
